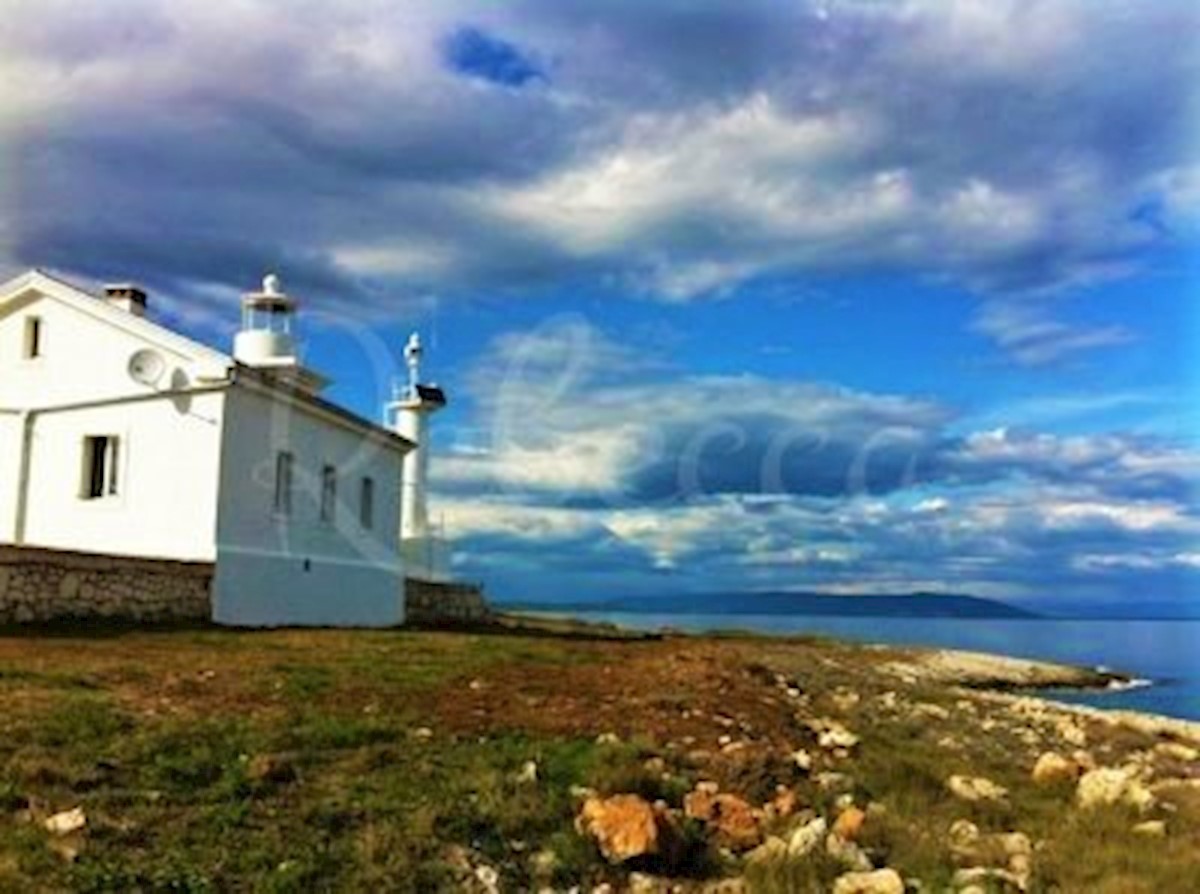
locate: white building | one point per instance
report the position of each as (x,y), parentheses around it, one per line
(121,437)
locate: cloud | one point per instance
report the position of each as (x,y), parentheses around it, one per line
(595,449)
(389,149)
(1031,337)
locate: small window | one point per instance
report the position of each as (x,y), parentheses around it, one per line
(366,506)
(283,482)
(101,460)
(328,494)
(33,337)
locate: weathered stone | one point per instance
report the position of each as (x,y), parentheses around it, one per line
(729,817)
(804,840)
(626,826)
(990,878)
(1177,751)
(849,823)
(881,881)
(1052,768)
(849,854)
(65,823)
(1108,786)
(975,788)
(773,850)
(1151,829)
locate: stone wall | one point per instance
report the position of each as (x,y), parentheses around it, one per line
(44,585)
(430,603)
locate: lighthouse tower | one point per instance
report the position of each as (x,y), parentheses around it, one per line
(265,339)
(413,406)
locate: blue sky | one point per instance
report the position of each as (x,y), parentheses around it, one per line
(845,296)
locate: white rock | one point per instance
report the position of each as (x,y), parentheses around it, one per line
(529,773)
(975,788)
(66,822)
(881,881)
(1109,785)
(1151,828)
(806,838)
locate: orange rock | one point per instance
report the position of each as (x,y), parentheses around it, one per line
(785,802)
(849,823)
(625,826)
(728,816)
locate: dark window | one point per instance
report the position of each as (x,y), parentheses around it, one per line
(33,337)
(328,494)
(283,483)
(366,508)
(101,461)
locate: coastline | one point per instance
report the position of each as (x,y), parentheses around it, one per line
(1004,678)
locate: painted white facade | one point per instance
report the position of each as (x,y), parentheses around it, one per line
(191,440)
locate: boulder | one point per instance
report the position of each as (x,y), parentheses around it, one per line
(832,735)
(1108,786)
(773,850)
(729,817)
(625,827)
(975,788)
(849,823)
(881,881)
(990,879)
(1052,768)
(804,840)
(1177,751)
(847,853)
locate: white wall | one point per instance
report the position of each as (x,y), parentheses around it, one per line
(10,444)
(277,570)
(84,356)
(166,505)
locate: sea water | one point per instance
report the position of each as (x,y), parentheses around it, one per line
(1164,656)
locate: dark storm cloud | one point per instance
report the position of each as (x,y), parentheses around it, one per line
(465,146)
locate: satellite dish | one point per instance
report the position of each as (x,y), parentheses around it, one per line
(146,367)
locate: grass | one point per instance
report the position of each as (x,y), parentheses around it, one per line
(211,760)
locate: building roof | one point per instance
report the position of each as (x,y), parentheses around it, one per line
(189,349)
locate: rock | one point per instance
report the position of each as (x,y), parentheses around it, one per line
(1151,829)
(805,839)
(608,739)
(975,788)
(784,803)
(847,853)
(849,823)
(802,759)
(625,826)
(1108,786)
(1015,844)
(488,878)
(832,735)
(773,850)
(1177,751)
(1071,732)
(641,883)
(529,773)
(66,822)
(963,833)
(543,863)
(1052,768)
(881,881)
(729,817)
(930,711)
(1084,759)
(845,700)
(989,878)
(832,782)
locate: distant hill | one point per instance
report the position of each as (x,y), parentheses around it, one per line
(910,605)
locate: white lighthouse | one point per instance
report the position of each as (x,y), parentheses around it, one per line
(265,339)
(412,408)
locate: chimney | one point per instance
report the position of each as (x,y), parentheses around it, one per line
(127,297)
